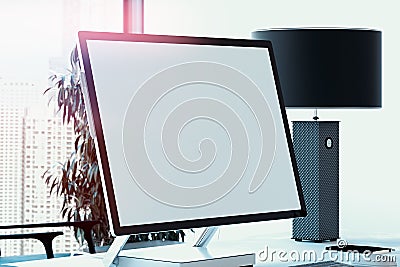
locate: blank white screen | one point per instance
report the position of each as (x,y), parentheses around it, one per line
(187,155)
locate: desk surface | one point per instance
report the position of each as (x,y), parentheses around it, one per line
(287,252)
(269,252)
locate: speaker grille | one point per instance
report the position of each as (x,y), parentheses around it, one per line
(318,166)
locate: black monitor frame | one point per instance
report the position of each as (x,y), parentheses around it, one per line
(92,106)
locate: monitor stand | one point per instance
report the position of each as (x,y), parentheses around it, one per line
(182,255)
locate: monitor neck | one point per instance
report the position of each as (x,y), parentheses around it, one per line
(120,241)
(113,251)
(205,237)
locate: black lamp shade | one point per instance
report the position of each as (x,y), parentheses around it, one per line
(327,67)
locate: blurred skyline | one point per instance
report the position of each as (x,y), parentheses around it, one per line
(37,37)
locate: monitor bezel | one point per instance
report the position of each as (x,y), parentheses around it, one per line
(93,110)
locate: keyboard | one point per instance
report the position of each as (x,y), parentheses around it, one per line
(322,264)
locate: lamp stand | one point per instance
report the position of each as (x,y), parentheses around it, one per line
(316,147)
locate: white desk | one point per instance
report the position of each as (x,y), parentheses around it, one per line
(281,252)
(254,244)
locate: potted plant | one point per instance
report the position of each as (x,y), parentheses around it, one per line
(77,179)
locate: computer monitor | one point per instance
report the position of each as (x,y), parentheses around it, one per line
(190,131)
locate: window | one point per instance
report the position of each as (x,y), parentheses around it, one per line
(26,149)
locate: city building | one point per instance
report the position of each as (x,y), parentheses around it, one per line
(16,96)
(32,140)
(46,142)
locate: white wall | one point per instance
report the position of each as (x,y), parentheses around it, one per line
(370,148)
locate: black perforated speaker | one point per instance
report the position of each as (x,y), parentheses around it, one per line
(316,147)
